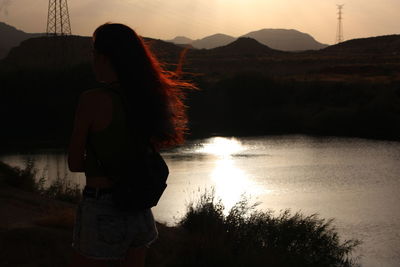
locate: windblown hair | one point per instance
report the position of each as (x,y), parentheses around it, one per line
(154,95)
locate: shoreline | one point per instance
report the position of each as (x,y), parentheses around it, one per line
(29,145)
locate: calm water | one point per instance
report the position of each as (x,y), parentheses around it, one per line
(355,181)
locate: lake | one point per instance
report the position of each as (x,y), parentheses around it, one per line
(356,181)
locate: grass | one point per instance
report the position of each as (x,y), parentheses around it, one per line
(21,178)
(25,179)
(247,237)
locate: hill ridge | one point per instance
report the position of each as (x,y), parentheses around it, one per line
(276,38)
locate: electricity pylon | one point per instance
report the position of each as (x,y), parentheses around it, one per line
(339,32)
(58,18)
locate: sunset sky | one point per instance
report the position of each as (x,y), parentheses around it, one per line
(198,18)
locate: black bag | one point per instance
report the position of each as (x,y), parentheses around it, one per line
(141,185)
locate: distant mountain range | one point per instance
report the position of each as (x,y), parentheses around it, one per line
(181,40)
(11,37)
(213,41)
(233,55)
(286,40)
(279,39)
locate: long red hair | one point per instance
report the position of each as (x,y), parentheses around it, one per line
(154,95)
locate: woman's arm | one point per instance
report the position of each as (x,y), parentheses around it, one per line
(82,124)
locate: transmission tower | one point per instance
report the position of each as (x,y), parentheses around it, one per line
(339,32)
(58,18)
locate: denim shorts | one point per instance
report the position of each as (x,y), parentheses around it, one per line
(103,232)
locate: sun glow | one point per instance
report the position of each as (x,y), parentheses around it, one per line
(230,181)
(220,146)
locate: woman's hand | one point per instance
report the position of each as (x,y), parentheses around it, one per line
(83,120)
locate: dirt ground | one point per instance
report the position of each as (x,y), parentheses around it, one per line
(35,231)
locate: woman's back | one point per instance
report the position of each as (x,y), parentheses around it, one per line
(109,139)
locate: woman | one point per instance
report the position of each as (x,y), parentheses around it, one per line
(140,103)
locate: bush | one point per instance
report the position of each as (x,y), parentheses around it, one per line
(60,189)
(22,178)
(247,237)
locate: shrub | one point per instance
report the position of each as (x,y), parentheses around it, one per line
(22,178)
(60,189)
(247,237)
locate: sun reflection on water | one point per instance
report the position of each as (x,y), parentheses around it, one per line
(221,146)
(230,181)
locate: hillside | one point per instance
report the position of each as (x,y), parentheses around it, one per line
(11,37)
(64,51)
(279,39)
(180,40)
(213,41)
(50,52)
(244,54)
(286,40)
(388,44)
(243,46)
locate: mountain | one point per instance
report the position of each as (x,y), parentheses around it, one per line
(213,41)
(280,39)
(11,37)
(285,40)
(208,42)
(243,46)
(387,44)
(180,40)
(50,52)
(62,51)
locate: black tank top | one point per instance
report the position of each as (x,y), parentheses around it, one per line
(111,145)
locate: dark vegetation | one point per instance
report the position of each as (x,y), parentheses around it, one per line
(269,105)
(24,178)
(247,237)
(352,89)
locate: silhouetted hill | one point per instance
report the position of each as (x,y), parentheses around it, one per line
(279,39)
(180,40)
(213,41)
(11,37)
(63,51)
(388,44)
(162,48)
(286,40)
(50,52)
(186,46)
(243,46)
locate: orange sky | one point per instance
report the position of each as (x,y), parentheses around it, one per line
(199,18)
